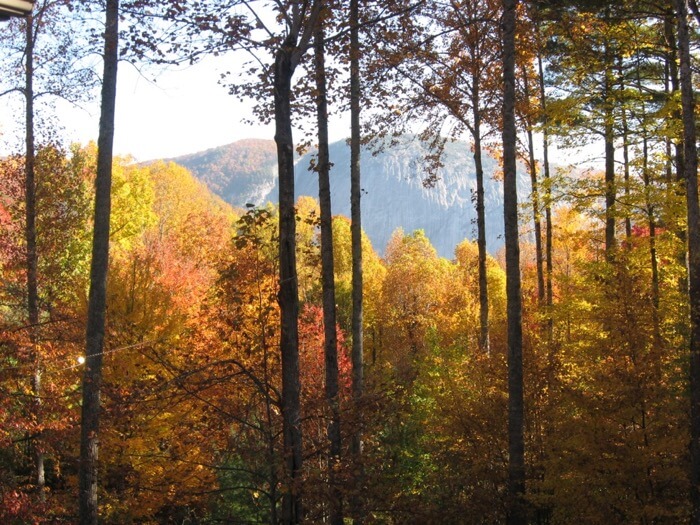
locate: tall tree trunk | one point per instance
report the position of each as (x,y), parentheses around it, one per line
(650,210)
(516,442)
(328,281)
(674,76)
(655,292)
(289,291)
(92,377)
(356,241)
(31,259)
(625,153)
(609,134)
(536,215)
(667,139)
(547,202)
(301,26)
(693,235)
(676,186)
(484,344)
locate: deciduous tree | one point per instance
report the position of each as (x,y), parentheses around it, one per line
(516,409)
(92,379)
(693,214)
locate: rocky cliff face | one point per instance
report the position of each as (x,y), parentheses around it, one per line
(393,192)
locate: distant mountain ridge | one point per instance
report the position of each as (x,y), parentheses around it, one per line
(242,172)
(393,192)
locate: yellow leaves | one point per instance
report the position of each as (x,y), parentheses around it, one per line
(187,212)
(169,234)
(132,205)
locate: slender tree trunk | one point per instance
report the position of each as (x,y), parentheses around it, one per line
(356,241)
(516,444)
(328,281)
(674,77)
(610,192)
(537,219)
(651,219)
(693,234)
(543,515)
(92,377)
(271,437)
(655,292)
(675,88)
(272,463)
(484,344)
(536,215)
(625,154)
(301,26)
(677,186)
(289,292)
(667,139)
(609,134)
(547,202)
(31,260)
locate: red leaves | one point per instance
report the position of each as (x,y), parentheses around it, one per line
(312,357)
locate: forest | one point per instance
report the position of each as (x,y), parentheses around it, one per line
(167,358)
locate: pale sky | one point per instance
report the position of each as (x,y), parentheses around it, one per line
(183,111)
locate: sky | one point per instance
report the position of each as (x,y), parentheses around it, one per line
(168,113)
(160,114)
(182,112)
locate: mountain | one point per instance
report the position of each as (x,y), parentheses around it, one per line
(393,192)
(242,172)
(394,195)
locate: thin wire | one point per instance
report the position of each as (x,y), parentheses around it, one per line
(56,370)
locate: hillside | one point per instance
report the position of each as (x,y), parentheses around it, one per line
(242,172)
(393,192)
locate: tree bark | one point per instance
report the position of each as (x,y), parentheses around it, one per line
(693,236)
(92,377)
(625,153)
(484,344)
(289,292)
(609,135)
(678,145)
(31,255)
(328,281)
(300,27)
(357,356)
(516,445)
(536,215)
(547,203)
(651,219)
(674,77)
(655,290)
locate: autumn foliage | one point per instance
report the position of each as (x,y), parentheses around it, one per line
(193,415)
(192,382)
